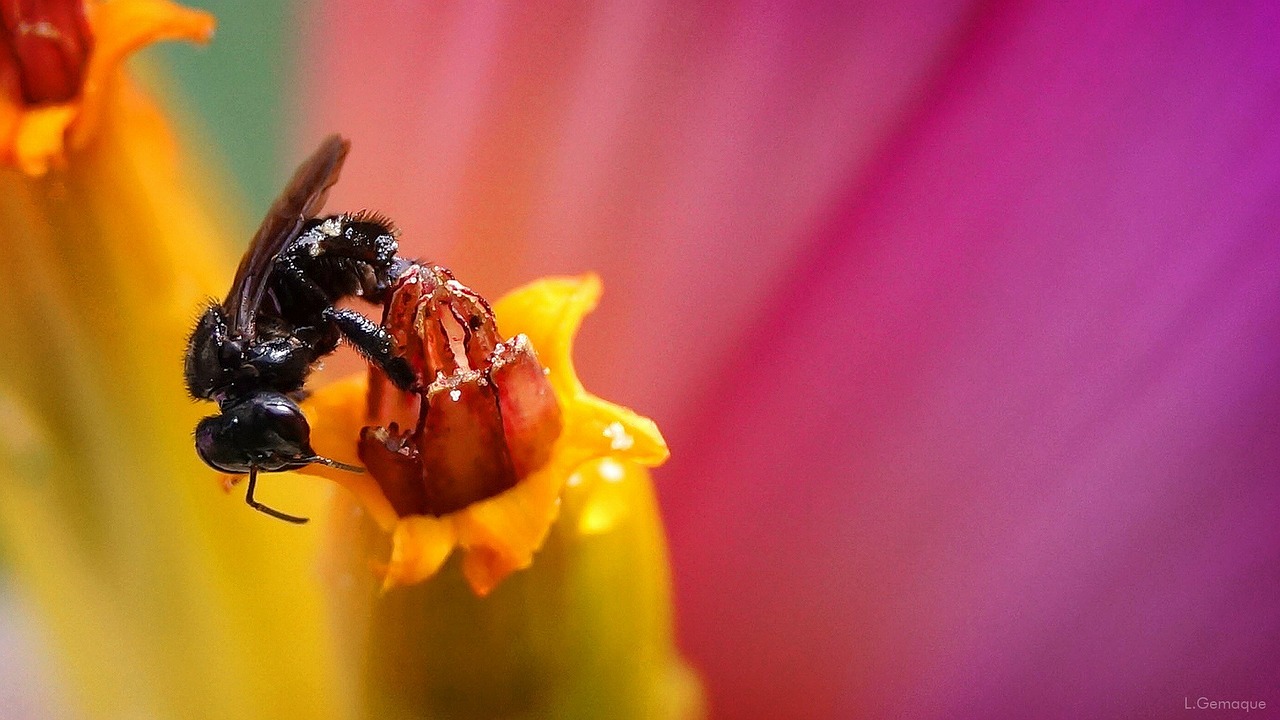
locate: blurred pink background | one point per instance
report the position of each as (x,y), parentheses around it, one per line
(962,319)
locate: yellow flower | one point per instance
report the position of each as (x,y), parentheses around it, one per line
(500,532)
(58,62)
(586,630)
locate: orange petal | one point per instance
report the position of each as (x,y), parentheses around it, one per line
(485,568)
(228,482)
(419,546)
(121,27)
(508,528)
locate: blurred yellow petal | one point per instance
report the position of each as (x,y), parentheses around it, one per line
(606,503)
(586,631)
(38,141)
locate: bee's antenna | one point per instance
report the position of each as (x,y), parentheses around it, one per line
(248,497)
(335,464)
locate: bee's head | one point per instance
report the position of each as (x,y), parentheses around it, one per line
(263,430)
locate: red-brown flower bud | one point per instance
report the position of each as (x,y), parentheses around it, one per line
(485,415)
(44,48)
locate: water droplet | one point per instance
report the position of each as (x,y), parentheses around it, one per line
(612,470)
(619,439)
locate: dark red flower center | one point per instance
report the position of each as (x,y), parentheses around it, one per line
(44,48)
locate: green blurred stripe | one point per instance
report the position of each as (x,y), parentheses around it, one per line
(234,91)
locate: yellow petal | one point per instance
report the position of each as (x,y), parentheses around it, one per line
(604,483)
(549,311)
(336,413)
(419,546)
(38,140)
(597,428)
(501,534)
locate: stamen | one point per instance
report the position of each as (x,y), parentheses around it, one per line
(486,415)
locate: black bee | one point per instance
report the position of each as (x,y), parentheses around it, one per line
(252,353)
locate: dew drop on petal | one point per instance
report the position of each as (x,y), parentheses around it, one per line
(619,438)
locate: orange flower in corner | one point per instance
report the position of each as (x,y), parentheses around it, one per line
(59,57)
(478,456)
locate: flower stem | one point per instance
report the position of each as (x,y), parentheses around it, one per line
(585,632)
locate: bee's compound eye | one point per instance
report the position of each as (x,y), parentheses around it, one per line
(217,446)
(286,422)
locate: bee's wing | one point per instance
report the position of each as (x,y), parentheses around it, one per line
(300,201)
